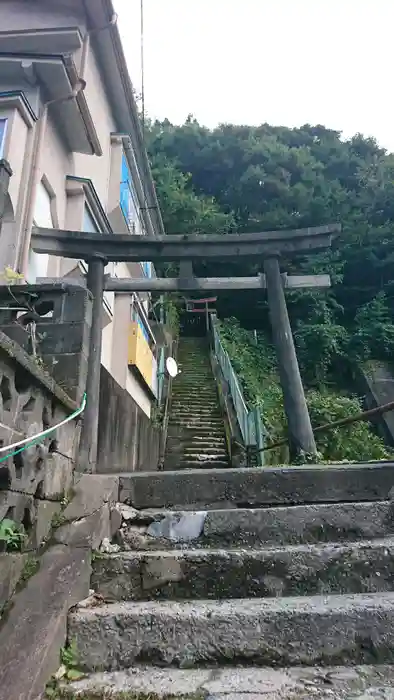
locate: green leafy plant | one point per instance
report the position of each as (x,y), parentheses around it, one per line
(256,368)
(12,535)
(171,311)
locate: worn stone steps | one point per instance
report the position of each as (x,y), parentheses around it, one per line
(196,450)
(251,683)
(184,463)
(257,487)
(271,631)
(207,420)
(193,414)
(277,526)
(362,567)
(189,402)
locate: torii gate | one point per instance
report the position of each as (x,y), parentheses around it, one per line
(268,246)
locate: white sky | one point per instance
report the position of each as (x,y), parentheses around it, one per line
(284,62)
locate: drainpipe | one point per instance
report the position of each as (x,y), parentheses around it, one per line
(86,43)
(23,253)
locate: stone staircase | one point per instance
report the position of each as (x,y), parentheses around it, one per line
(244,584)
(196,435)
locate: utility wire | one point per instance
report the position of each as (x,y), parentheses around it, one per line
(142,70)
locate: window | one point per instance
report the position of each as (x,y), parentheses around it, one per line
(136,318)
(130,209)
(38,263)
(147,268)
(128,199)
(3,132)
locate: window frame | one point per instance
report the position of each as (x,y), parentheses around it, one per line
(3,134)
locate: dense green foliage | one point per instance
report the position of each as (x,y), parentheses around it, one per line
(259,178)
(242,178)
(256,367)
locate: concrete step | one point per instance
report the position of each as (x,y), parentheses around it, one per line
(200,440)
(183,434)
(292,525)
(198,420)
(197,450)
(202,427)
(363,567)
(187,464)
(260,487)
(195,412)
(195,404)
(250,683)
(201,456)
(274,631)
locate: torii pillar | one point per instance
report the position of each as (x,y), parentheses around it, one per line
(300,433)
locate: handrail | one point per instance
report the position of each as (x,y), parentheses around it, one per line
(167,407)
(249,419)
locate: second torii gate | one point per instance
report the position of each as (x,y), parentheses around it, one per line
(99,249)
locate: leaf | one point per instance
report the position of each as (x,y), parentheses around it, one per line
(74,675)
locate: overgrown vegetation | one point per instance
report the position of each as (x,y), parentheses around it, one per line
(255,365)
(12,536)
(244,178)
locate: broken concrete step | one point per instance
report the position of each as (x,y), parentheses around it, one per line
(250,683)
(260,487)
(305,630)
(307,524)
(363,567)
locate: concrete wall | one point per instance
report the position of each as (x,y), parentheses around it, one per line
(127,439)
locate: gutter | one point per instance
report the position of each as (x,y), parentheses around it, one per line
(83,106)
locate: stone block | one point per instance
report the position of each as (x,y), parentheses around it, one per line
(57,478)
(91,491)
(115,520)
(69,372)
(63,338)
(11,567)
(17,506)
(35,629)
(88,531)
(45,512)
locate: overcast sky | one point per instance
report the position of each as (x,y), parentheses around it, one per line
(284,62)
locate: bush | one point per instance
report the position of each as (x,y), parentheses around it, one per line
(255,365)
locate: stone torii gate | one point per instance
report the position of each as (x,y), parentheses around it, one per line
(99,249)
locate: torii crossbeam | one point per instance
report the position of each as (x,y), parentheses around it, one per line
(99,249)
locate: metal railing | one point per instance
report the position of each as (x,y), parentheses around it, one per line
(249,419)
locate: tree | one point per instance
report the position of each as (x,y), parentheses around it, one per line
(256,178)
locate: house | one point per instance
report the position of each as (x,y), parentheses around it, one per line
(70,130)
